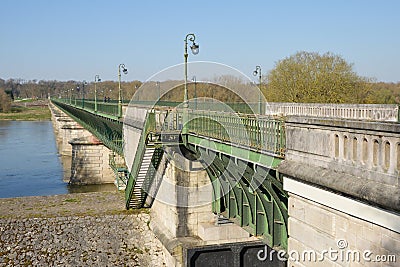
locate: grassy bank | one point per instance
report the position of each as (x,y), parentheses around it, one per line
(20,113)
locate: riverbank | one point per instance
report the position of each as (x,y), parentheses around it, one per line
(28,111)
(86,229)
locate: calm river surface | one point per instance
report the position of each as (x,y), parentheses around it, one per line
(30,164)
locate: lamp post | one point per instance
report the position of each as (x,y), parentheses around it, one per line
(70,95)
(195,50)
(83,92)
(125,71)
(75,96)
(195,93)
(255,73)
(78,90)
(96,79)
(159,92)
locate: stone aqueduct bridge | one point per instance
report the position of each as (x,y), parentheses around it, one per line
(305,178)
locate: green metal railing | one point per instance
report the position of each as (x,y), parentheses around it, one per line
(262,133)
(258,132)
(103,108)
(107,128)
(111,107)
(238,107)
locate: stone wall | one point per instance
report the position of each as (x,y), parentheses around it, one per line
(314,227)
(90,162)
(183,200)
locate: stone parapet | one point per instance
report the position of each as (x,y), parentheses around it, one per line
(376,112)
(368,149)
(344,192)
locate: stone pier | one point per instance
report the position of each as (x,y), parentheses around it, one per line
(89,157)
(182,216)
(90,162)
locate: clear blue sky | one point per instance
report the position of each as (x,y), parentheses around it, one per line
(76,39)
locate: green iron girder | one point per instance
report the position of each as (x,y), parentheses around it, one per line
(260,208)
(107,130)
(236,151)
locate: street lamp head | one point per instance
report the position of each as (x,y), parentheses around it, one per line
(124,70)
(257,71)
(195,48)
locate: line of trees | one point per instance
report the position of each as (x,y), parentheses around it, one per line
(326,78)
(20,89)
(302,77)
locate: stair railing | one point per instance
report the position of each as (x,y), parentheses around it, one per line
(149,126)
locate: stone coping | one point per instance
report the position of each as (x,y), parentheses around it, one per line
(381,126)
(72,127)
(365,190)
(331,105)
(87,140)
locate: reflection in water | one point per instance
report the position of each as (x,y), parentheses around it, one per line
(30,164)
(91,188)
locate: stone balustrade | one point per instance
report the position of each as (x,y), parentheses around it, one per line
(372,112)
(357,159)
(370,150)
(373,149)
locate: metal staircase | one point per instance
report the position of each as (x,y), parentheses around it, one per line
(144,168)
(139,193)
(117,164)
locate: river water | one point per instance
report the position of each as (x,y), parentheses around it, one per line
(30,164)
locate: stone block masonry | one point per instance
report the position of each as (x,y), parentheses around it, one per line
(90,229)
(90,162)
